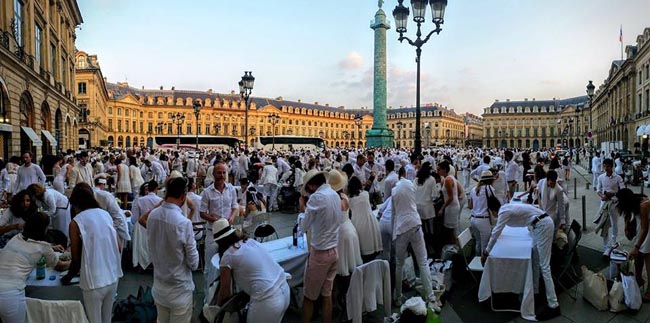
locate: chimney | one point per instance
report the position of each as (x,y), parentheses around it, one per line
(533,99)
(209,91)
(496,100)
(143,87)
(525,99)
(299,101)
(327,105)
(316,103)
(232,92)
(105,79)
(507,100)
(173,88)
(161,87)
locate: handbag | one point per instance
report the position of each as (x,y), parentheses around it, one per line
(617,298)
(492,201)
(595,289)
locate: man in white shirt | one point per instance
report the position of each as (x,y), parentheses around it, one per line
(28,173)
(218,201)
(512,170)
(407,229)
(108,202)
(607,187)
(551,199)
(476,173)
(174,257)
(595,170)
(390,180)
(270,181)
(322,221)
(524,215)
(158,171)
(82,172)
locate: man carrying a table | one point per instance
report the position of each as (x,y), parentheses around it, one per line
(543,230)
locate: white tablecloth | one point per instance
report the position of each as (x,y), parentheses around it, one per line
(59,310)
(509,269)
(290,258)
(32,281)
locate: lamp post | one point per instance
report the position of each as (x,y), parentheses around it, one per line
(178,120)
(252,132)
(400,125)
(401,13)
(358,120)
(427,133)
(448,133)
(273,119)
(590,94)
(245,89)
(197,113)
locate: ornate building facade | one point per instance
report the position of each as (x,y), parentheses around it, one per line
(642,104)
(536,124)
(440,126)
(473,129)
(37,101)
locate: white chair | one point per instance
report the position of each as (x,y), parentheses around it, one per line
(374,278)
(474,265)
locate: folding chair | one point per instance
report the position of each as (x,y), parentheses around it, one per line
(567,262)
(475,264)
(200,236)
(236,304)
(263,231)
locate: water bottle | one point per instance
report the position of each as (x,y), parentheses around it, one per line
(40,268)
(295,235)
(301,240)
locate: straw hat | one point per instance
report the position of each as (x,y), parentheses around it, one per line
(486,175)
(307,177)
(175,174)
(221,229)
(337,180)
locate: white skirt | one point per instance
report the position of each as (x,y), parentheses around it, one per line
(348,249)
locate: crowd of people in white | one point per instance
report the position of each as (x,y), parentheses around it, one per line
(357,205)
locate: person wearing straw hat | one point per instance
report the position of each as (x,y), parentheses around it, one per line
(322,211)
(247,264)
(175,255)
(348,246)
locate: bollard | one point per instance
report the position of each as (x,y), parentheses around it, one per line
(518,188)
(575,188)
(587,184)
(584,213)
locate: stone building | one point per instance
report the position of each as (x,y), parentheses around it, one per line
(37,102)
(440,126)
(536,124)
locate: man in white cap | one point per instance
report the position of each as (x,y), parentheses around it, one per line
(108,202)
(175,255)
(322,208)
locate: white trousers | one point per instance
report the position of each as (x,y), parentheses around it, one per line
(12,306)
(594,179)
(271,309)
(543,234)
(481,230)
(609,240)
(98,303)
(182,314)
(272,194)
(466,180)
(415,237)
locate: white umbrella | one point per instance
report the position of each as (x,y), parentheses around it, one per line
(647,130)
(640,131)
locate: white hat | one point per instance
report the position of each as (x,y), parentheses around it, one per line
(337,180)
(175,174)
(221,229)
(486,175)
(307,177)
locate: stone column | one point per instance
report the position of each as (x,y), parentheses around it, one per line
(379,135)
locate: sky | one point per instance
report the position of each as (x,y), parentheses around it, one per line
(322,51)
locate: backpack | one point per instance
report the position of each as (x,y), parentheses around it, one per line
(140,309)
(565,162)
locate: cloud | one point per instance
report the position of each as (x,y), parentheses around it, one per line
(353,61)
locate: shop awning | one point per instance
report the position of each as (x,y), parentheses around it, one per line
(49,137)
(32,136)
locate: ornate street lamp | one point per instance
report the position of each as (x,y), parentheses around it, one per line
(401,14)
(197,113)
(273,119)
(590,94)
(178,120)
(245,89)
(358,121)
(400,125)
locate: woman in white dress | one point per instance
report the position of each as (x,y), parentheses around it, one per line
(348,248)
(364,221)
(62,175)
(426,191)
(500,185)
(637,206)
(135,176)
(123,182)
(451,207)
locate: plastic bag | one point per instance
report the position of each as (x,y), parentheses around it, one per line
(595,289)
(617,298)
(632,292)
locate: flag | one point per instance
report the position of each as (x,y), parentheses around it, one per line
(620,35)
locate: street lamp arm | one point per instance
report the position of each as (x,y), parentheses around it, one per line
(402,38)
(426,39)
